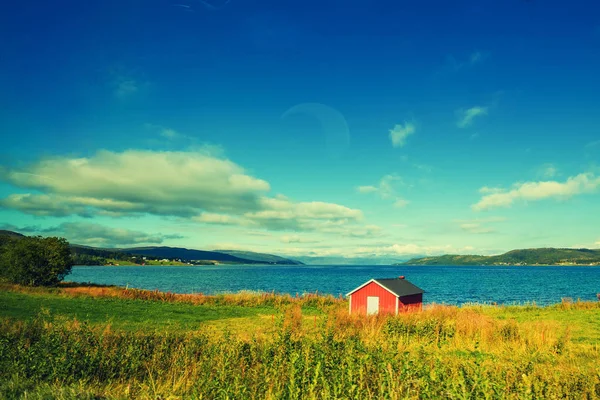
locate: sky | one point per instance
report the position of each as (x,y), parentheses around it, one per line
(303,128)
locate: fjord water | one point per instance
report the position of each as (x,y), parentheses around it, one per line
(442,284)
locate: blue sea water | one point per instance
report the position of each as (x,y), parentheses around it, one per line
(449,285)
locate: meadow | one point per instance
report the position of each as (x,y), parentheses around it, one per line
(107,342)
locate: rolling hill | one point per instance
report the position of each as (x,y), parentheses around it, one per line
(260,257)
(87,255)
(543,256)
(229,256)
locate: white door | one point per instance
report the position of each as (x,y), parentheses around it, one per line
(372,305)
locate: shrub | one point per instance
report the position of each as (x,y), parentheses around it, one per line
(36,261)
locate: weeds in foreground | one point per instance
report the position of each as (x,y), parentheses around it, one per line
(442,352)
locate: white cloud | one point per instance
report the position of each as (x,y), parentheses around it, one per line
(533,191)
(475,228)
(366,189)
(283,214)
(487,190)
(386,189)
(221,219)
(479,225)
(386,185)
(136,181)
(466,117)
(192,185)
(297,239)
(400,203)
(400,132)
(172,135)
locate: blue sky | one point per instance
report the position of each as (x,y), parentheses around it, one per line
(342,128)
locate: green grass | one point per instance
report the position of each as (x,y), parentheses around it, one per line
(583,324)
(121,313)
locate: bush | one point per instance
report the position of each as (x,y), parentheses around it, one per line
(36,261)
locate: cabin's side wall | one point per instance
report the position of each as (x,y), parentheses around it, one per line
(358,300)
(410,303)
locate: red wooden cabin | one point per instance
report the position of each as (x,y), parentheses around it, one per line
(390,296)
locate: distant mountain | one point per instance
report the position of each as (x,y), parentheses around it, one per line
(88,255)
(10,234)
(349,260)
(260,257)
(230,256)
(544,256)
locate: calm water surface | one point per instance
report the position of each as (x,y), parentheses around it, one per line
(450,285)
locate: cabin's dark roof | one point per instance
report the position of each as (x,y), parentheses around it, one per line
(400,287)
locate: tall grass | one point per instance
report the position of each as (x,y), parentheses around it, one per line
(442,352)
(243,298)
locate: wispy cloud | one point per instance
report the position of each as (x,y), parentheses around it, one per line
(401,203)
(366,189)
(547,171)
(466,117)
(386,189)
(466,62)
(297,239)
(488,190)
(125,83)
(221,219)
(170,133)
(593,144)
(400,132)
(125,88)
(535,191)
(479,226)
(476,58)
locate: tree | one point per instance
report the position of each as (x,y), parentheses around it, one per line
(36,261)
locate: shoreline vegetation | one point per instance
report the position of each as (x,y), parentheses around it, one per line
(94,341)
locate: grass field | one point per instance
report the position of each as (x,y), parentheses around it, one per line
(133,310)
(96,342)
